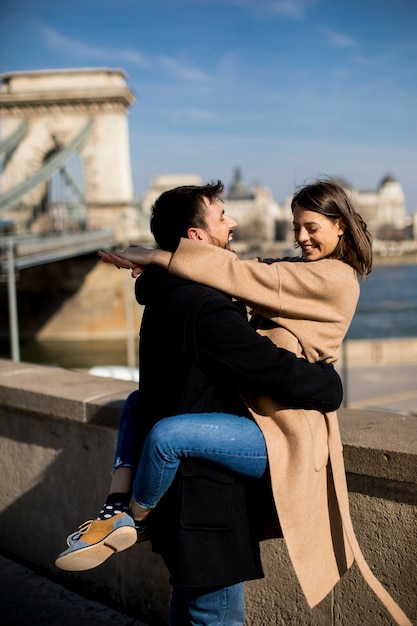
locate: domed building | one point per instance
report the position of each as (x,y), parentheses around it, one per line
(260,218)
(384,209)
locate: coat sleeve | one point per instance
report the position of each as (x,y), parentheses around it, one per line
(222,269)
(228,346)
(280,289)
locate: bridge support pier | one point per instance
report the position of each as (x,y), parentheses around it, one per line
(49,117)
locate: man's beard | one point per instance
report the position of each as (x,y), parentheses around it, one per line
(216,242)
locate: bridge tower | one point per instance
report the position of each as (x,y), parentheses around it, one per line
(47,117)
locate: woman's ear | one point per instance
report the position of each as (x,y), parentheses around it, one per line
(342,227)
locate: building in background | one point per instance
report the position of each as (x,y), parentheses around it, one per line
(259,216)
(263,219)
(158,185)
(383,209)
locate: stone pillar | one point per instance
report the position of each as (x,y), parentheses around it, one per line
(56,105)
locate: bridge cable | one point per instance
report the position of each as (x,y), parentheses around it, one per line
(13,140)
(53,164)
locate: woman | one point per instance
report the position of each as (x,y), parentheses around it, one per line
(304,305)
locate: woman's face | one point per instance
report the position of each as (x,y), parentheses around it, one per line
(316,234)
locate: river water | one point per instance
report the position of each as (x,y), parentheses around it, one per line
(387,308)
(387,305)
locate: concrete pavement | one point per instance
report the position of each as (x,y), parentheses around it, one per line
(26,597)
(388,388)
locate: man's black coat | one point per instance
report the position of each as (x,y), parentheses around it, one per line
(197,350)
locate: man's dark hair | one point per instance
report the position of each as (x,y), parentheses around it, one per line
(177,210)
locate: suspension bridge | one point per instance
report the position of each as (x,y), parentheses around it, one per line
(65,182)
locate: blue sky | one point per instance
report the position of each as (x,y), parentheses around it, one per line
(287,90)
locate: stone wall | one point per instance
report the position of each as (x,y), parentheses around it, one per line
(58,430)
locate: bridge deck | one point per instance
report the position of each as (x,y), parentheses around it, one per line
(31,250)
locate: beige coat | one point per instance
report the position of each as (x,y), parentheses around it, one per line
(311,306)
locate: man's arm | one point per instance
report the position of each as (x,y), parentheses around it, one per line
(227,343)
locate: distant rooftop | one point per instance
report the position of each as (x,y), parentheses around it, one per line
(238,189)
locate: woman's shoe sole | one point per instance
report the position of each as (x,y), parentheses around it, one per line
(89,557)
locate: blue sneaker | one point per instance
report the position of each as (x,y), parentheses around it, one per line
(142,530)
(97,540)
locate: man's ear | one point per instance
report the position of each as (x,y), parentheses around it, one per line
(194,234)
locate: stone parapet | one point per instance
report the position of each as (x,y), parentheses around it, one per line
(365,352)
(58,430)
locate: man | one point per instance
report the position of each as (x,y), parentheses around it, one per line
(196,351)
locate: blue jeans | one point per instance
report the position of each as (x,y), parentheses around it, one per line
(235,443)
(224,606)
(128,436)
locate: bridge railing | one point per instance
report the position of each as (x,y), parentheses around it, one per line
(17,253)
(73,243)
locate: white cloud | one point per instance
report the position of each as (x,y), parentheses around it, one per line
(184,71)
(74,47)
(339,40)
(204,115)
(288,8)
(85,51)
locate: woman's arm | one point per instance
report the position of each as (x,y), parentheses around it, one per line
(136,258)
(324,291)
(254,283)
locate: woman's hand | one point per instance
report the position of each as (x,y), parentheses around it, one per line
(136,258)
